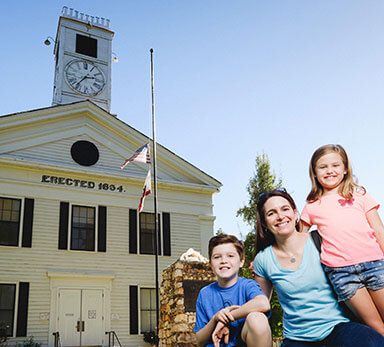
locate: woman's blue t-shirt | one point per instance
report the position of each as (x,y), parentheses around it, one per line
(213,298)
(310,308)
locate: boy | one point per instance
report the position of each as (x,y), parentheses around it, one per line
(231,310)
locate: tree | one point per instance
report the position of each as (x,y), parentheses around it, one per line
(263,180)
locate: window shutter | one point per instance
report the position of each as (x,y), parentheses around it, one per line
(133,231)
(63,227)
(22,312)
(158,234)
(166,233)
(133,311)
(27,222)
(102,229)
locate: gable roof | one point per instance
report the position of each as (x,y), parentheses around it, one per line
(43,137)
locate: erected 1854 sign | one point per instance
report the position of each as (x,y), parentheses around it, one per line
(68,181)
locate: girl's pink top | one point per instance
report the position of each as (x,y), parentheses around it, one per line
(348,239)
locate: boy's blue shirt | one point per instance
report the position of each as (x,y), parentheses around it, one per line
(213,298)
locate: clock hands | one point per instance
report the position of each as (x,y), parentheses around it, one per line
(85,77)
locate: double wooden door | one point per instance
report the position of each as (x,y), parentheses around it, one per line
(80,317)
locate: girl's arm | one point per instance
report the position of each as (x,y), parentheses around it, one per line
(376,224)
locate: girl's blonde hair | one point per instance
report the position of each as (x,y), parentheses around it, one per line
(347,185)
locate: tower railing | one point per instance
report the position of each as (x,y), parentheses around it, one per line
(86,18)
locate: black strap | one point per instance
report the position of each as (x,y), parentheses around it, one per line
(316,239)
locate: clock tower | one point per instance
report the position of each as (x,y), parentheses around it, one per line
(83,54)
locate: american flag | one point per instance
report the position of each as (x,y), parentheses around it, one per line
(142,155)
(146,190)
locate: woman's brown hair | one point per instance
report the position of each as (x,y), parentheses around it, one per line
(264,237)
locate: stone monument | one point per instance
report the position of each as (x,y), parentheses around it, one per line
(180,286)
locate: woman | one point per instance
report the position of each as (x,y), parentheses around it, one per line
(289,261)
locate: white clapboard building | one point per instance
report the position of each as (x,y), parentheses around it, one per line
(76,258)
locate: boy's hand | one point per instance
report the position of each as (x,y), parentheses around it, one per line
(224,315)
(221,331)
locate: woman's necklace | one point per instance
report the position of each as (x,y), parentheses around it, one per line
(292,258)
(290,255)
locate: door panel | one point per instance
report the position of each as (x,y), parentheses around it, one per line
(69,315)
(92,315)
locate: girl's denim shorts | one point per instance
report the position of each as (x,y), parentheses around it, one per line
(348,279)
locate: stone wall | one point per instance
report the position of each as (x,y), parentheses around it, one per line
(180,285)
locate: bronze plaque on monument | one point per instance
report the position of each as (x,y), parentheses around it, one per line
(191,291)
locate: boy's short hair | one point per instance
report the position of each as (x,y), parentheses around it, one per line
(224,238)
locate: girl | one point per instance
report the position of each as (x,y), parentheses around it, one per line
(352,231)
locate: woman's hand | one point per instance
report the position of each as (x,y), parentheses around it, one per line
(221,332)
(224,315)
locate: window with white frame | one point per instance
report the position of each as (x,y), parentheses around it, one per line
(7,307)
(147,309)
(14,323)
(83,228)
(9,221)
(147,233)
(142,233)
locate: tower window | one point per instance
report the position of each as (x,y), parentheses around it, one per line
(86,45)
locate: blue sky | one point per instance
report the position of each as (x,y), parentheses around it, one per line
(233,79)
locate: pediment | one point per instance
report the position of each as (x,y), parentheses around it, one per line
(46,136)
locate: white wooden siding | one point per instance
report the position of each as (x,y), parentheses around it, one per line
(32,264)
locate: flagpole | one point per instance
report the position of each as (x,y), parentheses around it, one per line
(155,197)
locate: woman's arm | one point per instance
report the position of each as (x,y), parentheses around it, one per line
(376,224)
(265,284)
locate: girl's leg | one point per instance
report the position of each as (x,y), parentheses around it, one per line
(363,306)
(378,298)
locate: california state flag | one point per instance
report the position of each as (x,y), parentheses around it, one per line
(146,190)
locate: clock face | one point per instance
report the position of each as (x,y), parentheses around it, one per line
(84,77)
